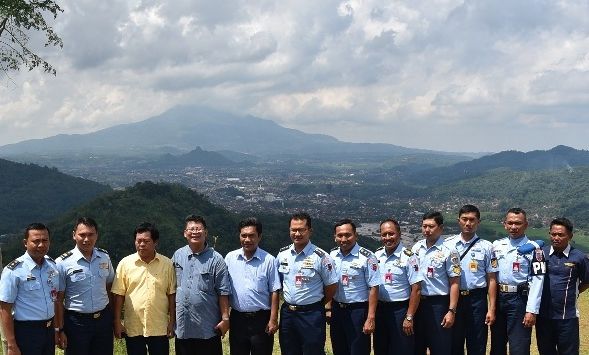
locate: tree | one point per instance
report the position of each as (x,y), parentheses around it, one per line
(17,18)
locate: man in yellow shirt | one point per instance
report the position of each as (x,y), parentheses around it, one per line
(145,283)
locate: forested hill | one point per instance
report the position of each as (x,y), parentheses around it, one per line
(29,193)
(166,205)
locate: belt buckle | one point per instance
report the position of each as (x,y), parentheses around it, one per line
(292,307)
(48,324)
(96,315)
(464,292)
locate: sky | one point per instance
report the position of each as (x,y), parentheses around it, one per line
(461,76)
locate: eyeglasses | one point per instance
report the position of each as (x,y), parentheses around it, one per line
(299,230)
(194,230)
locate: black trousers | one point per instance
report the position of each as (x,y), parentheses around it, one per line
(139,345)
(35,337)
(247,334)
(194,346)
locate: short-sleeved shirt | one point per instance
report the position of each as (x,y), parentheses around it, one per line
(398,271)
(84,282)
(202,278)
(146,287)
(357,273)
(515,268)
(565,272)
(476,263)
(305,274)
(252,281)
(30,288)
(437,265)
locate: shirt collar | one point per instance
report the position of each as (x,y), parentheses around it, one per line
(157,257)
(460,240)
(30,263)
(191,254)
(355,250)
(306,250)
(566,250)
(256,254)
(77,254)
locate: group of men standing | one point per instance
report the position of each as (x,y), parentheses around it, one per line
(441,295)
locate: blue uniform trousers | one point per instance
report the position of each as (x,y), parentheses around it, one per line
(35,337)
(557,336)
(429,332)
(389,338)
(302,329)
(89,334)
(508,327)
(347,321)
(470,324)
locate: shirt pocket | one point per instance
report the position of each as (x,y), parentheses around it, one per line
(205,282)
(31,285)
(261,283)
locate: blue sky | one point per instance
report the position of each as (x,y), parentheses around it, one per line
(436,74)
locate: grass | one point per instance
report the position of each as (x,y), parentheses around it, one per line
(583,323)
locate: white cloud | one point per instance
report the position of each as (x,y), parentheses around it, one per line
(444,74)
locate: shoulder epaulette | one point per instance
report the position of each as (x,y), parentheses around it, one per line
(319,252)
(47,257)
(13,264)
(334,249)
(367,253)
(408,252)
(66,255)
(102,250)
(285,248)
(381,248)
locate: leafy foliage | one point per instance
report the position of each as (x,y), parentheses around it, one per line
(17,18)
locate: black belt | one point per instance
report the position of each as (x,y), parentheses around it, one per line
(352,305)
(433,297)
(35,323)
(474,292)
(250,314)
(387,304)
(95,315)
(304,307)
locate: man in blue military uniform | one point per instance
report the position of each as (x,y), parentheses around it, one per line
(353,310)
(398,294)
(28,290)
(557,328)
(520,279)
(82,313)
(254,293)
(309,281)
(202,293)
(439,265)
(477,281)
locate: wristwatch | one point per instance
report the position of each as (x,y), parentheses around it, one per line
(409,317)
(453,310)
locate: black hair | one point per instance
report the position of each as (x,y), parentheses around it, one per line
(36,226)
(250,222)
(469,209)
(435,215)
(344,221)
(301,216)
(563,221)
(147,227)
(88,222)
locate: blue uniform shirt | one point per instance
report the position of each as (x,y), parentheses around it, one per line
(398,272)
(83,281)
(305,274)
(252,281)
(30,288)
(201,278)
(515,269)
(437,265)
(565,271)
(476,264)
(357,272)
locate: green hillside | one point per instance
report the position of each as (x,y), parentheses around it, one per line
(166,205)
(29,192)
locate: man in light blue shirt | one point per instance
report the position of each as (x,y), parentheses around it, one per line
(399,294)
(28,291)
(477,281)
(202,293)
(82,313)
(354,303)
(520,281)
(308,282)
(439,265)
(254,293)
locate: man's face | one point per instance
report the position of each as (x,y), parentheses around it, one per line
(468,223)
(37,243)
(249,239)
(559,237)
(85,238)
(145,245)
(300,234)
(196,235)
(430,229)
(345,237)
(389,236)
(515,225)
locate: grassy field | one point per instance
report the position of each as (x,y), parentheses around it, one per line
(584,325)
